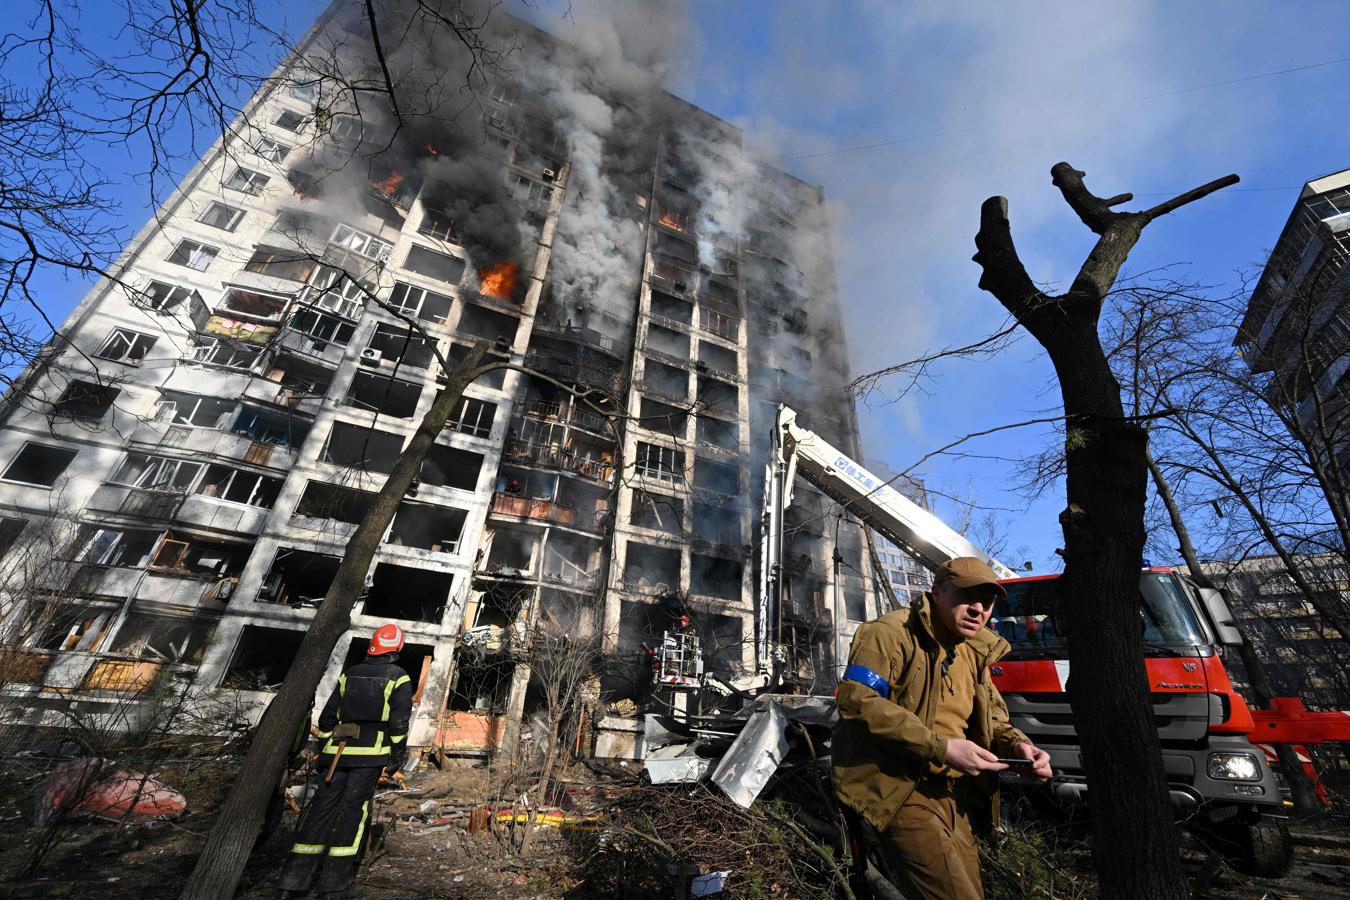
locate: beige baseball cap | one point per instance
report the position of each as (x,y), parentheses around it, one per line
(968,572)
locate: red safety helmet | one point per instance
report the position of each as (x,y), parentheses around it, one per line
(386,639)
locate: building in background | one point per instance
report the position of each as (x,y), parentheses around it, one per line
(181,469)
(1297,325)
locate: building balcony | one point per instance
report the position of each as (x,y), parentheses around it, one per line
(504,504)
(212,442)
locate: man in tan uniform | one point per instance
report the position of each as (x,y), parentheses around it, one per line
(921,727)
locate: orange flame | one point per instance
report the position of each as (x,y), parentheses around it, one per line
(389,186)
(500,280)
(433,151)
(673,220)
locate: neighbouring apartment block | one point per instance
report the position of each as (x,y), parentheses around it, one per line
(180,470)
(1297,324)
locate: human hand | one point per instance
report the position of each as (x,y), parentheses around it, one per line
(970,758)
(1040,760)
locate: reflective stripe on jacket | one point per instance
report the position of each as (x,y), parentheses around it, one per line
(377,696)
(887,703)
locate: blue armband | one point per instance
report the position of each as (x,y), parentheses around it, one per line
(865,676)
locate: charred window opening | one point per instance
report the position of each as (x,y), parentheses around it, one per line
(662,418)
(488,324)
(69,627)
(582,505)
(657,511)
(400,345)
(567,614)
(474,417)
(39,464)
(572,561)
(116,547)
(291,265)
(715,577)
(512,553)
(716,433)
(722,641)
(253,304)
(438,224)
(480,684)
(440,266)
(661,463)
(322,500)
(358,447)
(434,528)
(270,426)
(384,394)
(651,568)
(400,592)
(676,277)
(85,400)
(719,323)
(718,295)
(451,467)
(717,519)
(420,302)
(855,599)
(671,343)
(238,486)
(677,249)
(674,308)
(182,554)
(162,298)
(500,605)
(146,634)
(494,379)
(665,381)
(262,658)
(717,359)
(719,398)
(298,578)
(298,378)
(323,327)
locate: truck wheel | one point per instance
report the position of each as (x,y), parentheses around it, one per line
(1266,849)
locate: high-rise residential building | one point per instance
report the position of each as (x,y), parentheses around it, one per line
(181,469)
(1297,324)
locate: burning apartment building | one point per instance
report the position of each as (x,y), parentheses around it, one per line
(184,465)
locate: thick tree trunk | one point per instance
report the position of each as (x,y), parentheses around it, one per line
(1305,799)
(231,839)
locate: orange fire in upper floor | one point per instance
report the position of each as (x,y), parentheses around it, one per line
(500,280)
(389,186)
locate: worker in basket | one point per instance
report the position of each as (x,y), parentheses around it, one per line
(364,731)
(921,731)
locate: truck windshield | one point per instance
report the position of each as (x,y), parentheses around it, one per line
(1031,618)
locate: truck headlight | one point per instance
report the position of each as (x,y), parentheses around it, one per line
(1234,767)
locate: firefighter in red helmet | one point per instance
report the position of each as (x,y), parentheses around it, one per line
(364,731)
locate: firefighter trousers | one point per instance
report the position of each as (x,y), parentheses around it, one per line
(930,845)
(333,833)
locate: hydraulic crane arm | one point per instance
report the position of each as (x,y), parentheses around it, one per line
(796,451)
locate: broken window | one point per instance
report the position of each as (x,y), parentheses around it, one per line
(362,448)
(298,578)
(675,248)
(39,464)
(718,397)
(661,463)
(322,326)
(346,128)
(222,216)
(194,409)
(157,473)
(715,577)
(193,255)
(290,120)
(493,379)
(723,435)
(657,511)
(716,476)
(169,638)
(718,359)
(125,346)
(501,604)
(648,567)
(664,340)
(298,376)
(399,344)
(270,150)
(434,528)
(322,500)
(270,426)
(473,417)
(440,266)
(70,627)
(262,658)
(670,307)
(161,297)
(716,521)
(666,381)
(451,467)
(400,592)
(246,180)
(383,394)
(239,486)
(662,418)
(718,323)
(85,400)
(420,302)
(511,552)
(572,561)
(481,685)
(437,224)
(179,554)
(252,304)
(361,243)
(223,352)
(291,265)
(487,324)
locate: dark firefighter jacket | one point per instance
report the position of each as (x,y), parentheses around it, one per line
(377,695)
(884,741)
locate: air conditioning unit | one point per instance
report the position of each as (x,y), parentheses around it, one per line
(371,357)
(549,174)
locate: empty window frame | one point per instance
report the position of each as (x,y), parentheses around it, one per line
(116,547)
(322,326)
(253,304)
(346,128)
(161,297)
(222,216)
(473,417)
(718,359)
(224,353)
(125,346)
(186,555)
(438,225)
(384,394)
(420,302)
(661,463)
(246,180)
(720,324)
(657,511)
(322,500)
(73,626)
(440,266)
(239,486)
(39,464)
(269,426)
(290,120)
(193,255)
(399,344)
(270,150)
(451,467)
(487,324)
(367,449)
(85,400)
(292,265)
(361,243)
(426,527)
(157,473)
(196,410)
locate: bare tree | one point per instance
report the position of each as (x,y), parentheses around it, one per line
(1135,843)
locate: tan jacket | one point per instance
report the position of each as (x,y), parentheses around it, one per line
(883,744)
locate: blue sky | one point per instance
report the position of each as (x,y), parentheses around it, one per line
(982,98)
